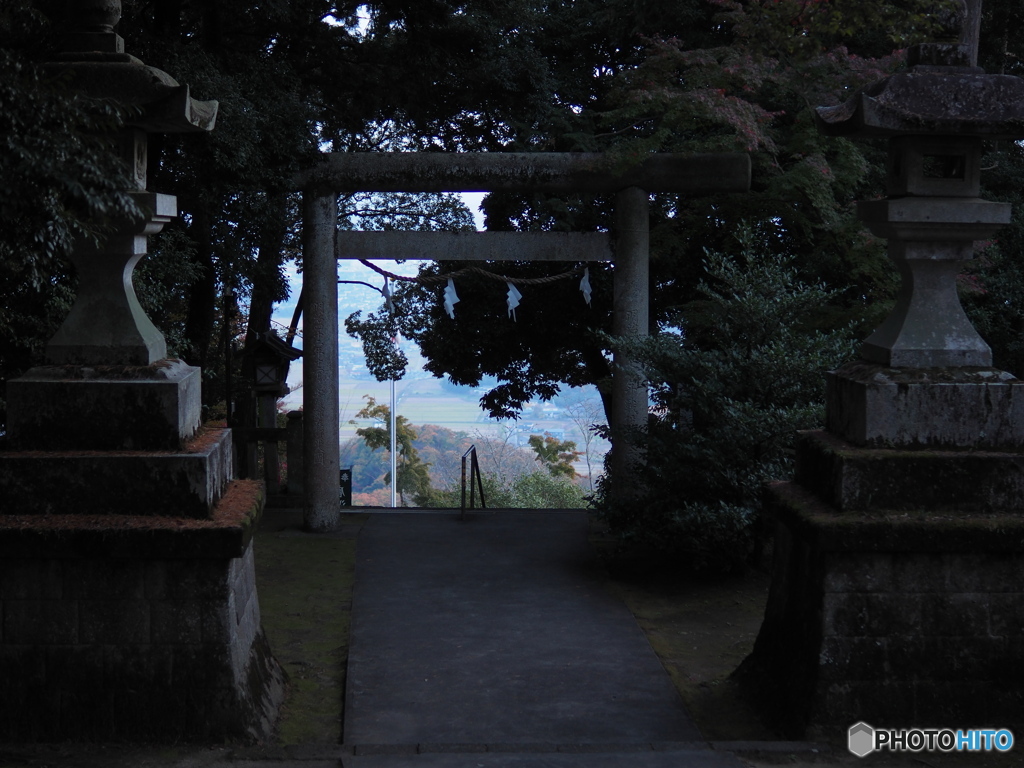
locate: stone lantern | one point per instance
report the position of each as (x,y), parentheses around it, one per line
(106,325)
(146,624)
(271,358)
(935,115)
(92,405)
(899,547)
(931,219)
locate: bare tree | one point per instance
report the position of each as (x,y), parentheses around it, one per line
(586,415)
(502,456)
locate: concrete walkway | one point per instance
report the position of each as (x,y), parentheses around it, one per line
(492,643)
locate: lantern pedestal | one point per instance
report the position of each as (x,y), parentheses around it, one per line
(182,483)
(898,618)
(127,583)
(135,627)
(107,325)
(896,595)
(104,408)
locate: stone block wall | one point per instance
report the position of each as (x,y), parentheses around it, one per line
(102,646)
(941,632)
(894,619)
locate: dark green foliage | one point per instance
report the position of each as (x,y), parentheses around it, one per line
(162,280)
(992,286)
(744,372)
(517,75)
(59,177)
(992,292)
(1000,30)
(540,490)
(378,332)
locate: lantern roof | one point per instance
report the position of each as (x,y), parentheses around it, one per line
(93,55)
(269,344)
(940,93)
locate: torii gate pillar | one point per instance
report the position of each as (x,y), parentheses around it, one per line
(630,312)
(320,361)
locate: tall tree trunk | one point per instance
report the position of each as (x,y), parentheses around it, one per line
(273,229)
(598,370)
(202,305)
(972,29)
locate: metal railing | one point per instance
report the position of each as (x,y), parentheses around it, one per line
(474,473)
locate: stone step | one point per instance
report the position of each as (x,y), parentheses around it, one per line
(185,483)
(853,479)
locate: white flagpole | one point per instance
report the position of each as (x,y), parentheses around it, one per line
(394,431)
(394,461)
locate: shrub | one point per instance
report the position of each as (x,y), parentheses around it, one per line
(732,384)
(535,490)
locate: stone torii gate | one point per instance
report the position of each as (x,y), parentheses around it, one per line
(323,244)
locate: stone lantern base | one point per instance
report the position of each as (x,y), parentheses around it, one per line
(899,620)
(897,592)
(104,407)
(134,628)
(128,606)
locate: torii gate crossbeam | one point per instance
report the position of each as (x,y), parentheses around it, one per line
(630,179)
(475,246)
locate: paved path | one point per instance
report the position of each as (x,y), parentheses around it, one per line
(491,642)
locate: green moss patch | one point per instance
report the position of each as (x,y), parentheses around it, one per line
(305,587)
